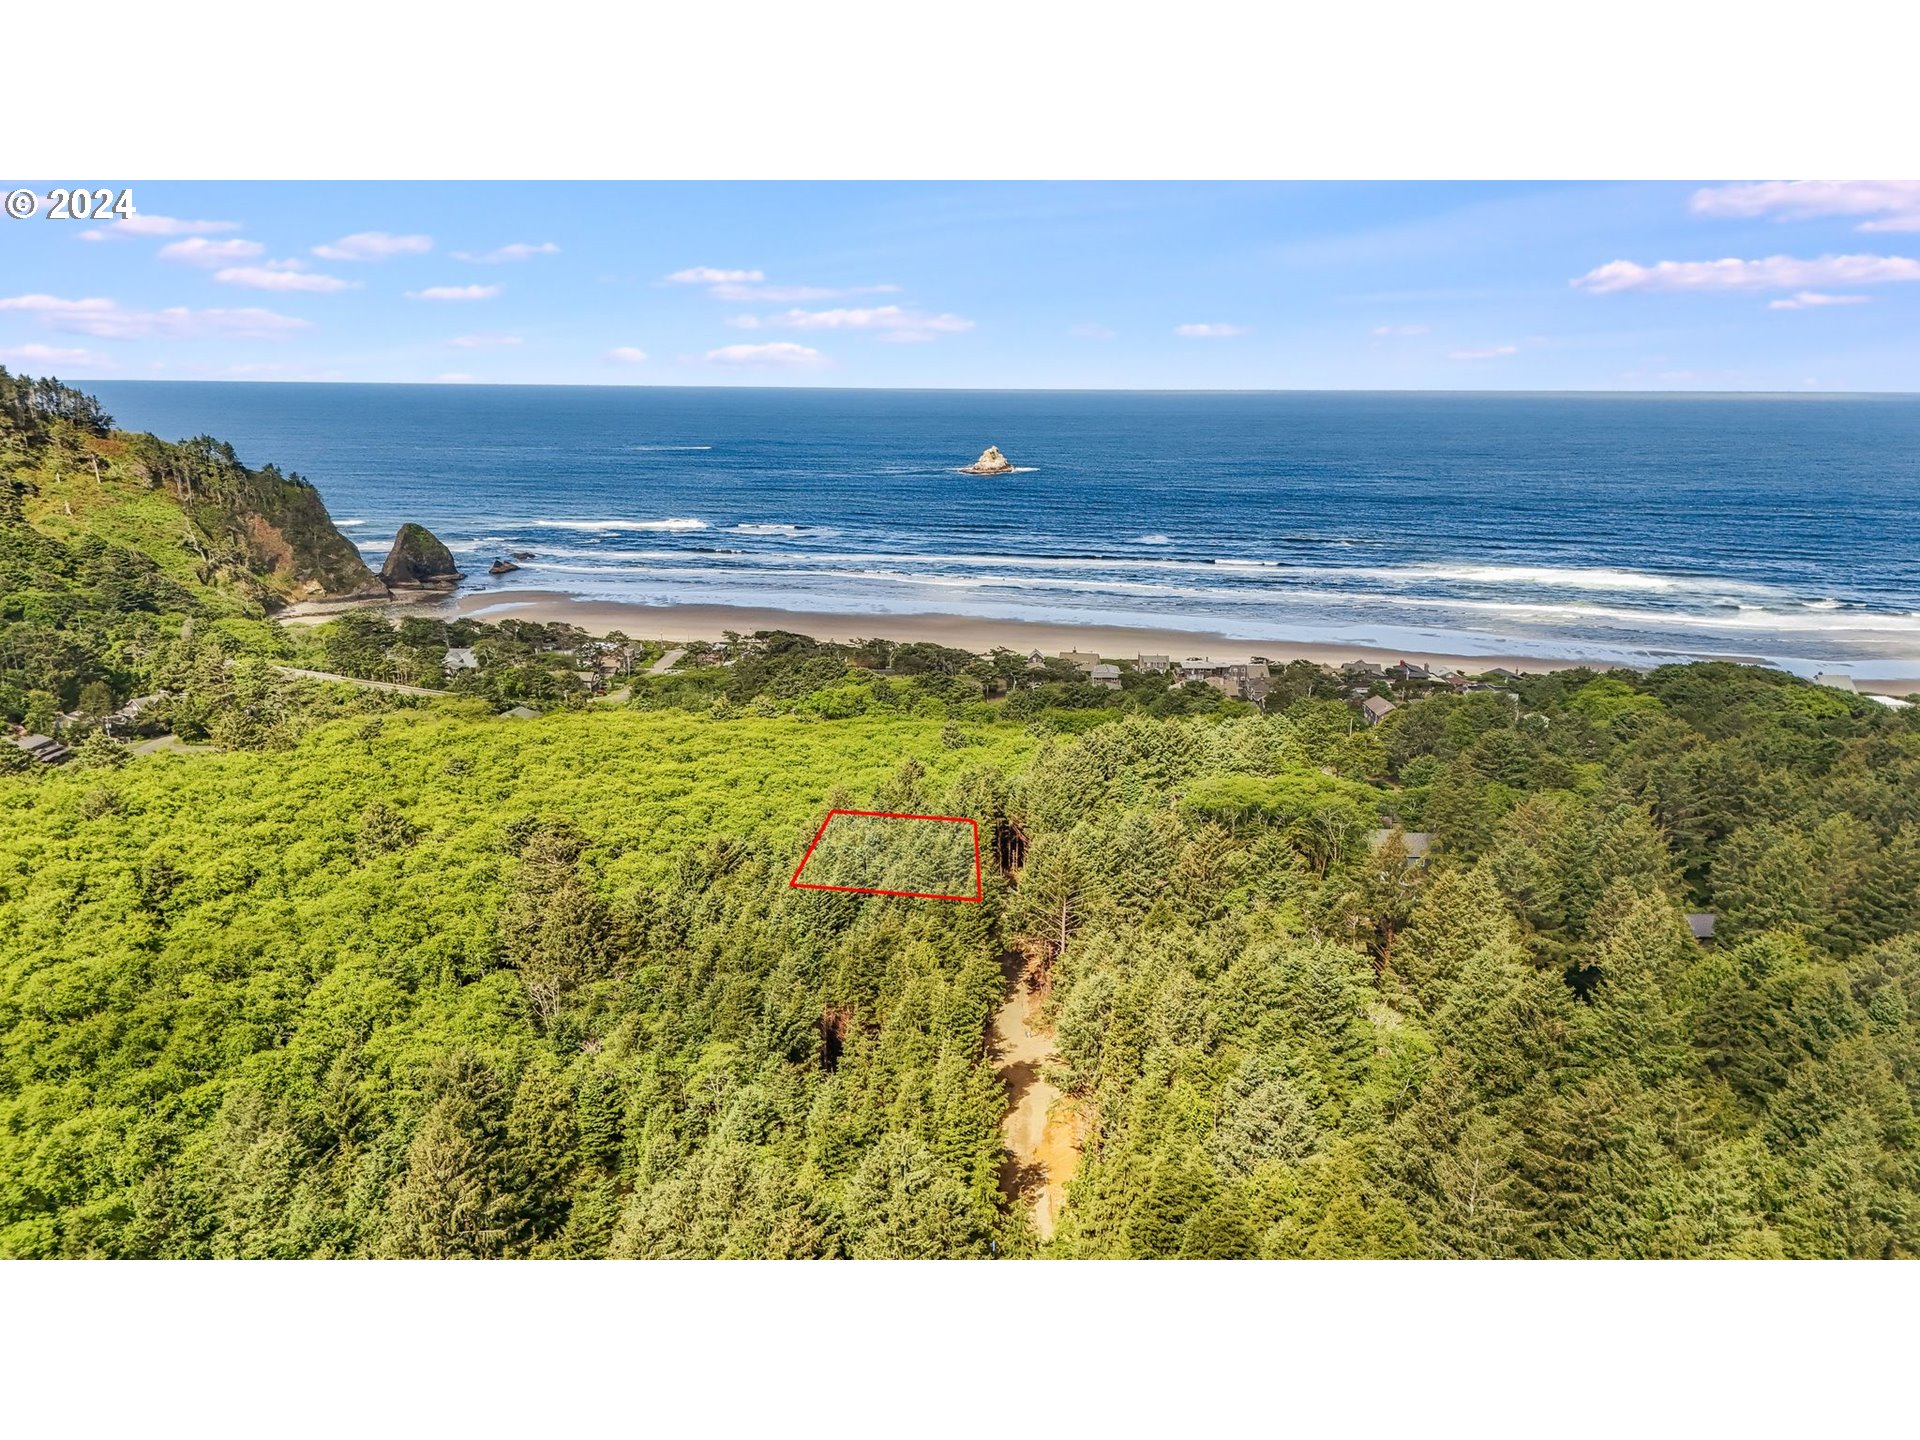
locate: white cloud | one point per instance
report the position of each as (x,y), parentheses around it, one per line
(1893,204)
(35,354)
(1814,299)
(198,250)
(517,251)
(482,342)
(1091,332)
(629,354)
(157,225)
(453,377)
(794,294)
(108,320)
(1776,272)
(55,309)
(374,245)
(708,275)
(1209,332)
(1384,332)
(890,322)
(455,292)
(1492,352)
(779,352)
(747,287)
(283,275)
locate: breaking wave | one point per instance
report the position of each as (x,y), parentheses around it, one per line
(674,523)
(790,531)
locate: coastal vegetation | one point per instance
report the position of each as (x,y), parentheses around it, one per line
(1580,965)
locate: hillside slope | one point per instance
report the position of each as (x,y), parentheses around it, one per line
(259,536)
(446,986)
(398,975)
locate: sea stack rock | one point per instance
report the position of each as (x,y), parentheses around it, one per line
(418,560)
(502,567)
(991,462)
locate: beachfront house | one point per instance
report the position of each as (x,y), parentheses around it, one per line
(1250,682)
(1242,682)
(460,658)
(1361,670)
(1153,664)
(1036,661)
(1376,708)
(1105,675)
(1080,659)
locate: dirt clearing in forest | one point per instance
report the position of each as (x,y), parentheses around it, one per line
(1039,1125)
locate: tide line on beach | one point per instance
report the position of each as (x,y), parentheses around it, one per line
(963,632)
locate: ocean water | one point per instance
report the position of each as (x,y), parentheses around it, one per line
(1604,527)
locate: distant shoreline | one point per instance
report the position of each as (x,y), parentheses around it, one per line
(680,623)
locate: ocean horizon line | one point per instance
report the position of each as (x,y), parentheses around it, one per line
(1479,391)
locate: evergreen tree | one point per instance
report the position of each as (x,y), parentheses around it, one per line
(451,1200)
(1885,900)
(902,1205)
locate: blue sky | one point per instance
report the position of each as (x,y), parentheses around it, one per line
(1764,286)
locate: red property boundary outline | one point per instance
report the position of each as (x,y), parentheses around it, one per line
(979,893)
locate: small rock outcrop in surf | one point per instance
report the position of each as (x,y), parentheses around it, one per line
(419,561)
(991,462)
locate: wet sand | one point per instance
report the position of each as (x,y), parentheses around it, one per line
(686,624)
(682,623)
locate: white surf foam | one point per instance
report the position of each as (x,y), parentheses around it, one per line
(791,531)
(673,523)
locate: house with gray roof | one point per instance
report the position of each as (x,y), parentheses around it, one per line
(1376,708)
(44,748)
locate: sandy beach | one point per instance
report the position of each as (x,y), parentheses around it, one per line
(678,623)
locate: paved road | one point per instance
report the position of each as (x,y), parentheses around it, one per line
(299,674)
(666,661)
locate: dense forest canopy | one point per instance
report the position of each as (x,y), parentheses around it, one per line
(396,975)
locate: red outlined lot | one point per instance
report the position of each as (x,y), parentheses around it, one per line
(797,883)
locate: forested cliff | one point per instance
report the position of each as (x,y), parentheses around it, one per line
(190,507)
